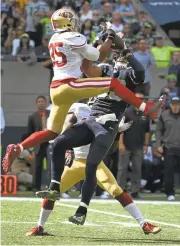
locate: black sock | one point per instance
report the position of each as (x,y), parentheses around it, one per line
(81,210)
(54,186)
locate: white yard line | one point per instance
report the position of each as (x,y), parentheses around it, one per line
(120,215)
(50,223)
(90,209)
(92,201)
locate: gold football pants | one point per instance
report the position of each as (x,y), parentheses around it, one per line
(76,173)
(66,94)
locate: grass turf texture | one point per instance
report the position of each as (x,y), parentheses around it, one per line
(103,228)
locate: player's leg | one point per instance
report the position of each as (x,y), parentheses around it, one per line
(76,136)
(70,177)
(99,148)
(56,119)
(94,86)
(62,98)
(108,182)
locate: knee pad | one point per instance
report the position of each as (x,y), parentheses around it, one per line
(115,190)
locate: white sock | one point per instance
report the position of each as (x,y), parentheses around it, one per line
(142,107)
(83,204)
(54,181)
(44,214)
(21,148)
(134,211)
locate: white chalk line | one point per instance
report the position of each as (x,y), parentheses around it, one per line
(92,201)
(90,209)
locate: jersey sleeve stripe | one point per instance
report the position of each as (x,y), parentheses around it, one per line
(77,46)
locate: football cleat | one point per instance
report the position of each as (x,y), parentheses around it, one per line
(149,228)
(37,231)
(12,152)
(51,195)
(152,108)
(78,219)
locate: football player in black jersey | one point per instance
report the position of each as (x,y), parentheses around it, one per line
(99,130)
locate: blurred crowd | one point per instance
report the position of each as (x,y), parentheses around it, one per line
(27,23)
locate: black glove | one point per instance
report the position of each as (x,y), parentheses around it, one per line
(111,34)
(100,40)
(69,158)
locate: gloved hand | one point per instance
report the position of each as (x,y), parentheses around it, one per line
(69,157)
(110,34)
(124,126)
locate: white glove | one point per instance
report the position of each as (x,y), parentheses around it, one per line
(109,25)
(124,126)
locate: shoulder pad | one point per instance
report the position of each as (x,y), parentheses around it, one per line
(75,40)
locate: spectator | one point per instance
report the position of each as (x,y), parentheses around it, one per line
(142,18)
(67,3)
(170,89)
(8,25)
(40,11)
(132,144)
(12,42)
(134,45)
(22,3)
(117,23)
(168,143)
(37,122)
(175,63)
(41,52)
(126,9)
(14,39)
(46,24)
(128,36)
(147,34)
(96,4)
(30,24)
(146,59)
(87,31)
(2,120)
(86,12)
(161,53)
(107,11)
(96,18)
(25,49)
(4,7)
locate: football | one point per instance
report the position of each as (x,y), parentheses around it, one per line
(118,42)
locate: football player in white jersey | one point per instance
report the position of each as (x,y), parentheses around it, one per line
(72,175)
(68,51)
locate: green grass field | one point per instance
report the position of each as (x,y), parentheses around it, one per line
(107,224)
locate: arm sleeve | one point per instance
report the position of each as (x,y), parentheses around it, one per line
(137,73)
(172,48)
(159,131)
(88,52)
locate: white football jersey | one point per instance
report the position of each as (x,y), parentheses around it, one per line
(82,112)
(66,62)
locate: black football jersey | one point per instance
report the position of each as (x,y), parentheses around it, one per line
(109,103)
